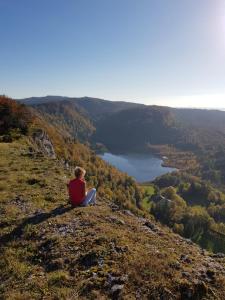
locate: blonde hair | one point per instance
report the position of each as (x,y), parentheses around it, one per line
(79,172)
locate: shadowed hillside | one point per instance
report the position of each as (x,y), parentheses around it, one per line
(133,129)
(202,118)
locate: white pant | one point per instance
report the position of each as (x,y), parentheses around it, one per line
(90,198)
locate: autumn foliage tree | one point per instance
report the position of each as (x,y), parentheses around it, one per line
(13,116)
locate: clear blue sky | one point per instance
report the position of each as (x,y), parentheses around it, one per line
(169,52)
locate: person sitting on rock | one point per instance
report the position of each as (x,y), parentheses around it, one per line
(79,195)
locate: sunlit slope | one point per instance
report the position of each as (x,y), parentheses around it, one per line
(112,250)
(51,250)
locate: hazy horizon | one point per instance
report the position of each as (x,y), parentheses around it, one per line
(122,100)
(169,53)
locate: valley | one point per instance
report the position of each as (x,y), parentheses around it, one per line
(193,140)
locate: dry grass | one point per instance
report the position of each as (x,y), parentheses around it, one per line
(49,251)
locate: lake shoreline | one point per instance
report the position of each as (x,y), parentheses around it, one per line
(144,167)
(175,158)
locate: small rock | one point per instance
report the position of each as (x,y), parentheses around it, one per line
(118,249)
(188,241)
(91,259)
(211,274)
(203,252)
(119,280)
(116,290)
(142,220)
(186,274)
(151,226)
(185,258)
(218,255)
(128,212)
(138,295)
(115,220)
(175,265)
(64,229)
(101,262)
(21,203)
(114,207)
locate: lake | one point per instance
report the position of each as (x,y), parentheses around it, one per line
(143,167)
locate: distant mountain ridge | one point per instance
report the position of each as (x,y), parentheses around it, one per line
(93,106)
(102,112)
(96,109)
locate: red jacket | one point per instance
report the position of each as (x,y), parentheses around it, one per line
(76,191)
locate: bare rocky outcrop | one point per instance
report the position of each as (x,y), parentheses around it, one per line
(44,143)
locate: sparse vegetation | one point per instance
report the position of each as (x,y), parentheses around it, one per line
(112,250)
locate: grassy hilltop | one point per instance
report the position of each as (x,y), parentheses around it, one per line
(110,251)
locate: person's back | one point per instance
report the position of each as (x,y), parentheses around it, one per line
(76,191)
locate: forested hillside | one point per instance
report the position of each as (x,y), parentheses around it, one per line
(201,118)
(192,207)
(110,251)
(67,115)
(133,129)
